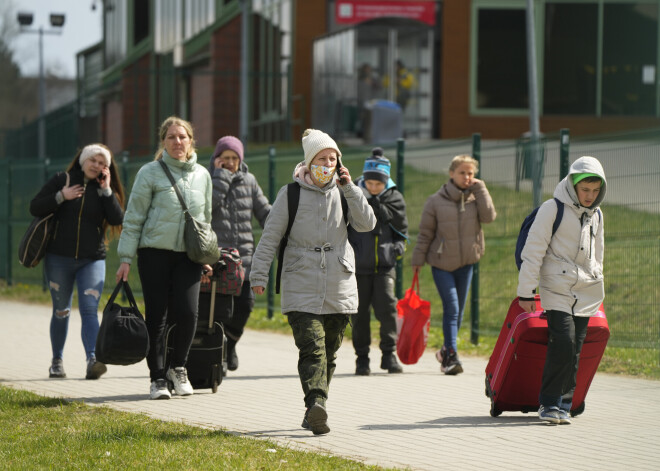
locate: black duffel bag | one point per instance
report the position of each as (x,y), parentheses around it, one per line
(123,338)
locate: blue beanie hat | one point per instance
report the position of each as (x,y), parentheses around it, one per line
(377,167)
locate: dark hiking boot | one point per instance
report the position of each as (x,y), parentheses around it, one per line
(390,363)
(451,364)
(362,366)
(316,420)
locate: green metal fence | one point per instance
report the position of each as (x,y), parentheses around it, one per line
(631,214)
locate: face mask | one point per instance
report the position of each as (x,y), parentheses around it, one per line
(322,175)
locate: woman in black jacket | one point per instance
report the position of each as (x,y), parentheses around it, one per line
(87,199)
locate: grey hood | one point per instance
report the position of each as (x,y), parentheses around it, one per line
(565,190)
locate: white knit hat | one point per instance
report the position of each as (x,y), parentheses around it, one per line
(92,150)
(314,141)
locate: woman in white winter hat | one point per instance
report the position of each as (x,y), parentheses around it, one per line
(88,203)
(319,289)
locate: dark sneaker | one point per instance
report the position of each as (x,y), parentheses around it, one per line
(564,417)
(316,418)
(232,358)
(179,378)
(159,389)
(441,356)
(389,363)
(362,366)
(95,369)
(550,414)
(56,369)
(452,365)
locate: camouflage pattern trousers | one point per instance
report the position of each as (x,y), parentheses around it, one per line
(318,337)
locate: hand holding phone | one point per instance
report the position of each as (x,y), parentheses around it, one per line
(104,178)
(342,173)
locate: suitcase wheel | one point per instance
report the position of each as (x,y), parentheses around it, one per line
(494,411)
(216,378)
(578,411)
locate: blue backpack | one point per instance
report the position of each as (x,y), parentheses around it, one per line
(527,223)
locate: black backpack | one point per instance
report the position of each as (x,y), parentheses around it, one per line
(293,198)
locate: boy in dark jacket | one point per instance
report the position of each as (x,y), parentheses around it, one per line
(376,253)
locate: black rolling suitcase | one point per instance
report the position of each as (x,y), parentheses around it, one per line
(207,359)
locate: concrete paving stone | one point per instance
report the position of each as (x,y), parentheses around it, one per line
(420,419)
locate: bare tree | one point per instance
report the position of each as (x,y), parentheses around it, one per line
(17,95)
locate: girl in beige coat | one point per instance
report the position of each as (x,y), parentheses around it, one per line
(451,241)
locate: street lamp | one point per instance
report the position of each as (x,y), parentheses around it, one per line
(56,20)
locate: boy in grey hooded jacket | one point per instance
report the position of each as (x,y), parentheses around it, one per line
(568,269)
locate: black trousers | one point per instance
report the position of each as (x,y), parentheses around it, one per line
(169,279)
(375,290)
(566,335)
(243,305)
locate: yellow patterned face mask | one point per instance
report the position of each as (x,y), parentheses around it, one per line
(323,175)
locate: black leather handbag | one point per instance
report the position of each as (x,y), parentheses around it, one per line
(32,246)
(123,338)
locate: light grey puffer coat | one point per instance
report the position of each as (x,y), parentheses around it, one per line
(319,264)
(236,197)
(567,267)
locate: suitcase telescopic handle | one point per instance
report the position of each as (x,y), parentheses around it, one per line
(214,282)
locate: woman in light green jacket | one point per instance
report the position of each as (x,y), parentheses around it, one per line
(153,230)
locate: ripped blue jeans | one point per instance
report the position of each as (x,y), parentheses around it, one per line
(61,275)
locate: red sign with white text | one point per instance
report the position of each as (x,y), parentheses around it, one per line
(357,11)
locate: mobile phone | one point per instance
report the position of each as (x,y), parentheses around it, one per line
(340,166)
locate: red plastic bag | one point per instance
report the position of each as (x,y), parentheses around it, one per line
(413,322)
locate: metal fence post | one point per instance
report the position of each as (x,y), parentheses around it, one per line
(44,285)
(400,172)
(271,197)
(474,299)
(564,145)
(9,193)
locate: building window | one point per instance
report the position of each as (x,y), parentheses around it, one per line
(501,59)
(115,35)
(140,21)
(570,58)
(596,57)
(630,45)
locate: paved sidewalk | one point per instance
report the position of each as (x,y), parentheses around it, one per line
(420,419)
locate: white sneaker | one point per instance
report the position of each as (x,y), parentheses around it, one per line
(179,378)
(159,389)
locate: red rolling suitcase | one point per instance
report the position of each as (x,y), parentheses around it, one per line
(515,368)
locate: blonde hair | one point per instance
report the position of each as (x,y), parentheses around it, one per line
(162,133)
(464,159)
